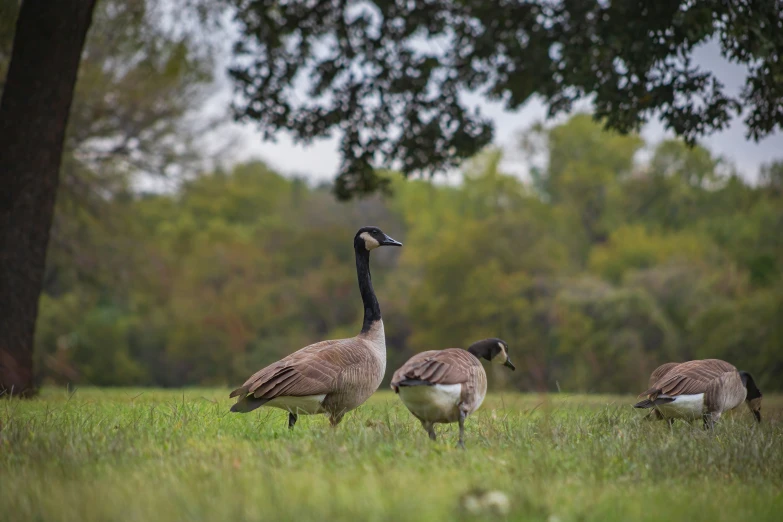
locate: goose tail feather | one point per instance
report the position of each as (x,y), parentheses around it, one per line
(248,404)
(650,403)
(413,382)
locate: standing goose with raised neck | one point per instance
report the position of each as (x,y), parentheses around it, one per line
(702,389)
(330,377)
(445,386)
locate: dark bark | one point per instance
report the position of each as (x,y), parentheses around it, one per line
(34,111)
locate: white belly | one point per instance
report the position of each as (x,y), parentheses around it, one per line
(307,405)
(437,403)
(688,407)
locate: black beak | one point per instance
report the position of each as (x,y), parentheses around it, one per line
(510,364)
(387,241)
(757,414)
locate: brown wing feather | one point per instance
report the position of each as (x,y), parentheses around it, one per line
(683,385)
(431,370)
(705,368)
(688,378)
(660,371)
(449,366)
(439,373)
(313,370)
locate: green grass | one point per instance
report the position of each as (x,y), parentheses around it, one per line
(149,455)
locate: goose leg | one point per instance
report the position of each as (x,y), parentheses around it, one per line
(461,443)
(430,427)
(335,419)
(710,419)
(291,420)
(659,416)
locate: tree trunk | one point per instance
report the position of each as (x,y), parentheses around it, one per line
(34,111)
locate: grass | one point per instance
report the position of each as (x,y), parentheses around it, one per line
(150,455)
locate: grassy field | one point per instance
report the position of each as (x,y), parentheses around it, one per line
(149,455)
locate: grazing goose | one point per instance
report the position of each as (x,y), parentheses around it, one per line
(702,389)
(447,385)
(330,377)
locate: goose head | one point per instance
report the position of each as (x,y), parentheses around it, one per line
(753,398)
(368,238)
(494,350)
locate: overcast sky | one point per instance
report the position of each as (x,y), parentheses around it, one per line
(319,161)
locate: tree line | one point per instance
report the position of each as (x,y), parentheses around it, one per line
(595,270)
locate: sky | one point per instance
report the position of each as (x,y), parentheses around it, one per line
(319,160)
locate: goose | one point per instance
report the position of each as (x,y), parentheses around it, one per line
(702,389)
(329,377)
(445,386)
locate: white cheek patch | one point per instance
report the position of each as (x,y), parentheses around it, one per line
(369,241)
(502,357)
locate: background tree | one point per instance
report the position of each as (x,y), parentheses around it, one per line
(390,76)
(235,268)
(34,109)
(140,81)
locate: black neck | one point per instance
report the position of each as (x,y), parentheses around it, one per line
(480,350)
(372,311)
(485,349)
(750,385)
